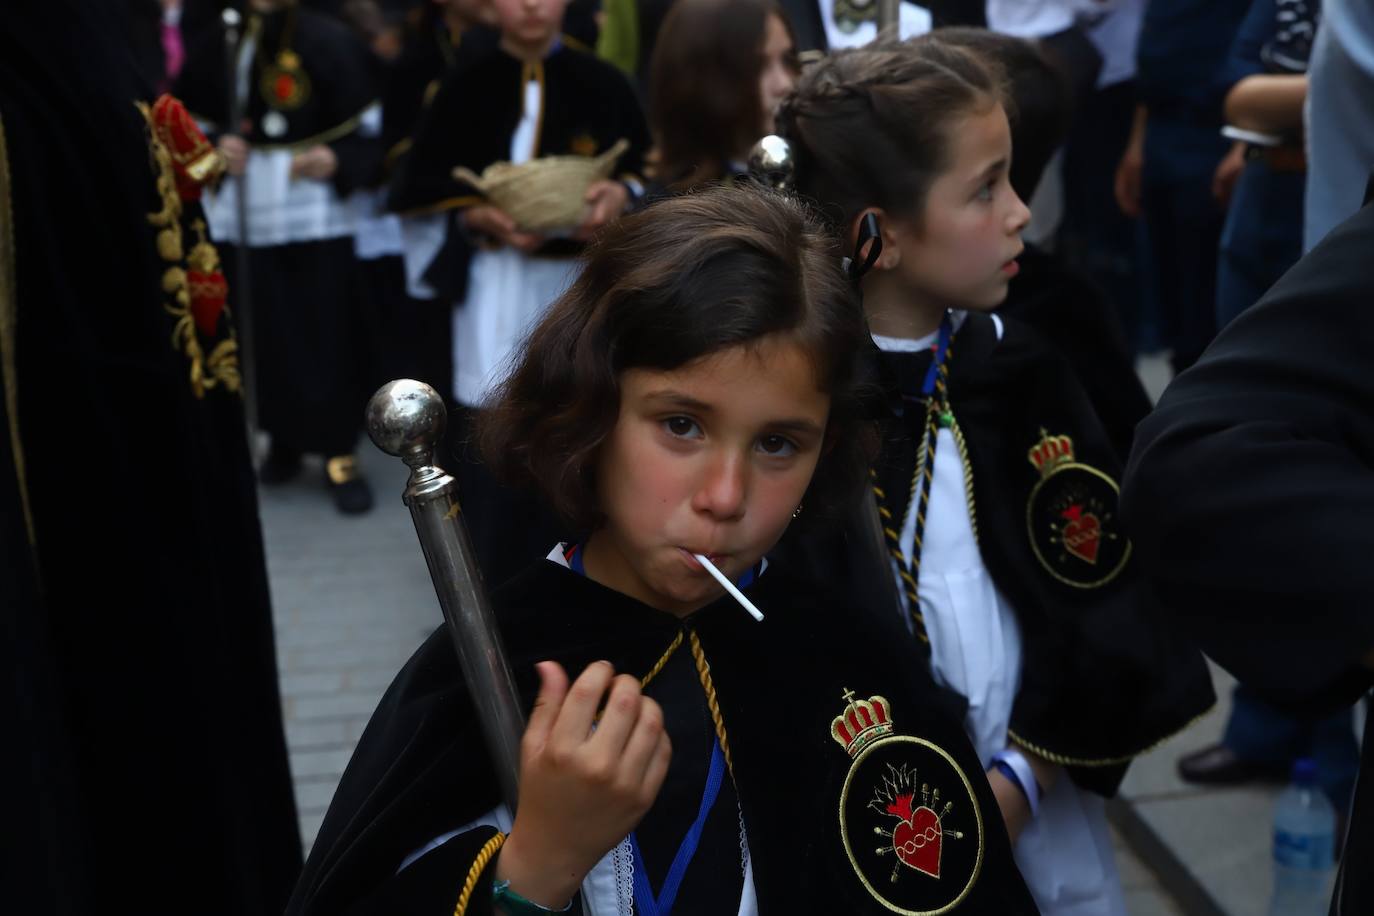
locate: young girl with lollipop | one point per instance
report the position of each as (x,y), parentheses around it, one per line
(695,388)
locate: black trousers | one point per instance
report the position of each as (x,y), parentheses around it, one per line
(310,357)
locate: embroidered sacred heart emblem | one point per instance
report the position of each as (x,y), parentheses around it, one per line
(917,839)
(1082,535)
(1071,517)
(894,822)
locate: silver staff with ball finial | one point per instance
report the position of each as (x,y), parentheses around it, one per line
(406,418)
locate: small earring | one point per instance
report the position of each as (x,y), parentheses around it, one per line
(796,513)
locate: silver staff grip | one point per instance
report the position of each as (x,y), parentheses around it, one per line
(406,418)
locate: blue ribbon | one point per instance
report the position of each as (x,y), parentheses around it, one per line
(662,904)
(942,348)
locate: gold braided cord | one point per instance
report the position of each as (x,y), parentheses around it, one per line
(937,406)
(9,322)
(1064,760)
(968,475)
(479,865)
(704,672)
(658,666)
(663,660)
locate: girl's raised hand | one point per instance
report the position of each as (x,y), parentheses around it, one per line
(581,791)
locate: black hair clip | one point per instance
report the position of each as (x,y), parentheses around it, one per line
(861,264)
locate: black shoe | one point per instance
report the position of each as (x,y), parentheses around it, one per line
(280,466)
(1218,765)
(350,489)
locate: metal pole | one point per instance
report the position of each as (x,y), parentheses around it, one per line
(889,15)
(243,269)
(406,418)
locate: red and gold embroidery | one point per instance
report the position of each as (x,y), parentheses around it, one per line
(183,161)
(923,863)
(1071,517)
(284,84)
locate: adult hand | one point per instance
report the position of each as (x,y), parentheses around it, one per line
(1127,183)
(318,162)
(498,226)
(581,791)
(1227,173)
(234,149)
(1126,187)
(605,201)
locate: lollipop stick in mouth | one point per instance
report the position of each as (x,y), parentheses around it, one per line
(729,587)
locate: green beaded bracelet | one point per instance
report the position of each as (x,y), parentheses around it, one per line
(515,905)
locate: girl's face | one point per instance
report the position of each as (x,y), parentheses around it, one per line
(529,23)
(711,458)
(962,254)
(779,73)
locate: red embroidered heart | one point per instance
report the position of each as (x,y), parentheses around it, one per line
(917,842)
(208,293)
(1082,535)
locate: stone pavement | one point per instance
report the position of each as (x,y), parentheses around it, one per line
(352,600)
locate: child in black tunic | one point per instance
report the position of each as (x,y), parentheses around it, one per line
(995,487)
(689,394)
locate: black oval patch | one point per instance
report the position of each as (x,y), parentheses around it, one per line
(1073,525)
(911,826)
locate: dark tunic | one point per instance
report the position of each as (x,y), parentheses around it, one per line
(339,85)
(137,627)
(421,770)
(410,82)
(1073,314)
(1105,676)
(1251,490)
(588,106)
(309,320)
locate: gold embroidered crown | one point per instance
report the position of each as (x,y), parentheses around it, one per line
(1050,452)
(861,723)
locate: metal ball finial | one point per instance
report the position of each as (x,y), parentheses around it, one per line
(771,162)
(406,418)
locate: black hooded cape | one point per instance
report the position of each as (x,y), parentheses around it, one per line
(1105,674)
(421,770)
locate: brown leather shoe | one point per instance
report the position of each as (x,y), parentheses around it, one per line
(1218,765)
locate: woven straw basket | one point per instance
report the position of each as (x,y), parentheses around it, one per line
(543,194)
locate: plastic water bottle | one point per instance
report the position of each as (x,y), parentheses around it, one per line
(1304,844)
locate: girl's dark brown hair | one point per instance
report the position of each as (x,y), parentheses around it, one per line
(704,104)
(680,280)
(872,127)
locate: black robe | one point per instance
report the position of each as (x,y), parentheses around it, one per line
(588,106)
(1069,310)
(314,369)
(153,766)
(412,80)
(1105,675)
(421,770)
(339,85)
(1251,490)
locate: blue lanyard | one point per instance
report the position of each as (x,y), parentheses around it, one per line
(941,351)
(645,900)
(662,904)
